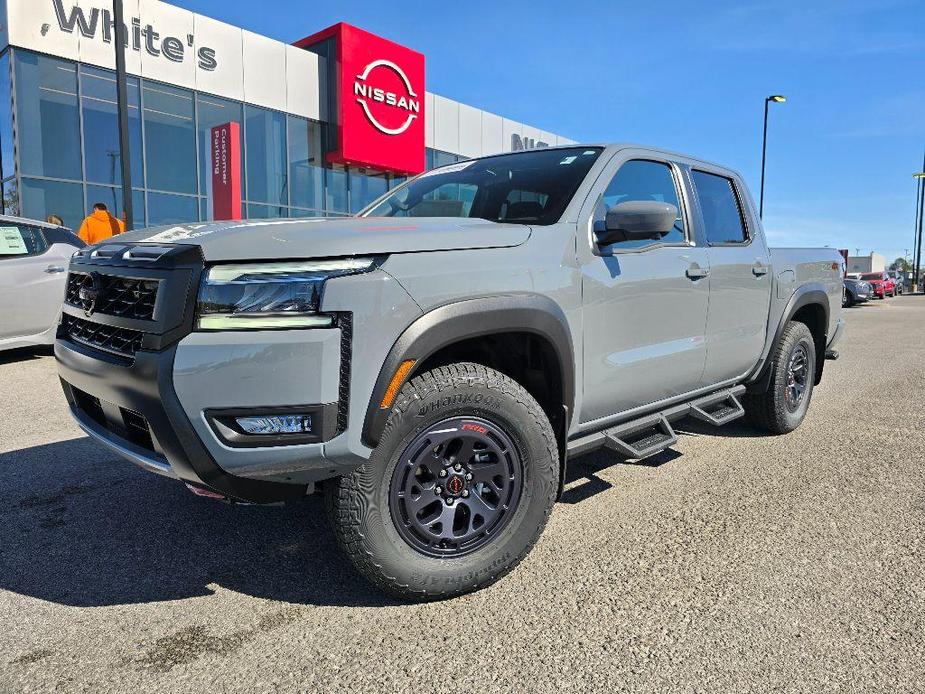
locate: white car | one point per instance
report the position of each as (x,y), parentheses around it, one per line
(33,271)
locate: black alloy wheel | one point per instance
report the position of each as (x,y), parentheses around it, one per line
(455,487)
(797,377)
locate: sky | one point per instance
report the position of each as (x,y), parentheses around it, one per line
(690,77)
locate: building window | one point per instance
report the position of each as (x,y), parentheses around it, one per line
(365,188)
(11,198)
(7,161)
(255,211)
(99,109)
(112,198)
(47,118)
(213,111)
(306,175)
(172,209)
(42,198)
(265,137)
(335,190)
(296,212)
(170,139)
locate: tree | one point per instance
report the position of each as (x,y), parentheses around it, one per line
(902,264)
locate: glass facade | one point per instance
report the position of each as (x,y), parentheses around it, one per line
(59,150)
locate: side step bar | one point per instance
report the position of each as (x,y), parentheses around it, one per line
(652,433)
(717,409)
(641,438)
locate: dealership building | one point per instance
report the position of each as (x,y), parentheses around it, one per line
(223,123)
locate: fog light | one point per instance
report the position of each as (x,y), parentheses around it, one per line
(276,424)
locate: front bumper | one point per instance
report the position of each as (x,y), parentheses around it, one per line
(134,411)
(140,381)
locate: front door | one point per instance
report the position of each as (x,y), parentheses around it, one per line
(644,303)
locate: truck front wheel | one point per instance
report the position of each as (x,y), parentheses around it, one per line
(782,408)
(457,491)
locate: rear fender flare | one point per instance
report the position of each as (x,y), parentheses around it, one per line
(808,294)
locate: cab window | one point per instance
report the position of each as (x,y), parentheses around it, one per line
(20,240)
(640,179)
(722,216)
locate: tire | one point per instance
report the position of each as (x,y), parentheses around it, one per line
(848,301)
(379,514)
(777,410)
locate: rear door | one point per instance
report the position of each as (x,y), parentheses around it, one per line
(644,302)
(740,277)
(32,277)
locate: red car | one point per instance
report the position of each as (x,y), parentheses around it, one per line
(882,285)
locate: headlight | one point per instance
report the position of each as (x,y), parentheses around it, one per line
(266,296)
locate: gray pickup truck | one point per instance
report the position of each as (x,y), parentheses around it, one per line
(432,363)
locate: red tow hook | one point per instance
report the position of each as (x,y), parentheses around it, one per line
(207,493)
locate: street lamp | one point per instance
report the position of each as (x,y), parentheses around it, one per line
(121,40)
(920,208)
(777,99)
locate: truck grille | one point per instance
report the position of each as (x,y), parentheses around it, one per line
(121,341)
(118,296)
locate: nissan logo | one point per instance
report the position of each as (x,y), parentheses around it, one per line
(90,292)
(367,94)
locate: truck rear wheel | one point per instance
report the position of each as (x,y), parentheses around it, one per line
(782,408)
(458,490)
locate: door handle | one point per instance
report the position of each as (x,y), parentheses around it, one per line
(52,269)
(759,270)
(696,273)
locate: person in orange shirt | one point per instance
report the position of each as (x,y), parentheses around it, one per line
(100,225)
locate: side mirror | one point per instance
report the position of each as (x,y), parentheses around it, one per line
(637,220)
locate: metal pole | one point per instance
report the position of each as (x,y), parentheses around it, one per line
(121,40)
(764,150)
(918,234)
(915,235)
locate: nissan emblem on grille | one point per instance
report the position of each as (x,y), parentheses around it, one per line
(90,291)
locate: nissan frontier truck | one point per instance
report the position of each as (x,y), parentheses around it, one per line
(432,364)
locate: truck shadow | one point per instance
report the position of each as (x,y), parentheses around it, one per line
(25,354)
(587,467)
(79,527)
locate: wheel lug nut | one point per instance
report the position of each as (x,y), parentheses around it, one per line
(457,467)
(468,477)
(465,492)
(442,473)
(438,490)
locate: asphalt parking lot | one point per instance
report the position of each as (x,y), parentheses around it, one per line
(732,562)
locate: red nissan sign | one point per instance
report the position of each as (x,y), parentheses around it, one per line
(226,171)
(380,101)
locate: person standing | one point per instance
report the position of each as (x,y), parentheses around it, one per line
(100,225)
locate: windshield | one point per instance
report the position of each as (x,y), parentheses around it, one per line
(872,276)
(531,187)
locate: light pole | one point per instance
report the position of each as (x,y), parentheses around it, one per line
(920,209)
(121,39)
(777,99)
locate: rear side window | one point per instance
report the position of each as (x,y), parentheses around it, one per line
(719,204)
(19,240)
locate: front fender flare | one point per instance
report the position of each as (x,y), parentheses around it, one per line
(530,313)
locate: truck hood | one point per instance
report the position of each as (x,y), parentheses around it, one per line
(330,237)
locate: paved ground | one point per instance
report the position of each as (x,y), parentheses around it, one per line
(736,562)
